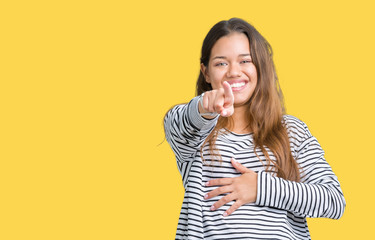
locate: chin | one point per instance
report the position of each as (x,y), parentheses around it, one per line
(241,100)
(241,103)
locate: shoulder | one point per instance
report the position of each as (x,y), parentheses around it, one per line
(302,142)
(294,122)
(179,109)
(296,128)
(174,109)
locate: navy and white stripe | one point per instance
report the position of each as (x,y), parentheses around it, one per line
(281,206)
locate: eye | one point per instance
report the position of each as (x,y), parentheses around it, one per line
(220,64)
(246,61)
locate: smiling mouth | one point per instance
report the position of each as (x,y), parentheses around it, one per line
(238,86)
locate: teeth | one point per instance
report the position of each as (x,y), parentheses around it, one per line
(237,85)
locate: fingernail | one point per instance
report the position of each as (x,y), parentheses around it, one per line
(207,183)
(212,208)
(225,214)
(224,113)
(206,196)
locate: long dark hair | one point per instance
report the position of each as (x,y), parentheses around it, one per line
(265,107)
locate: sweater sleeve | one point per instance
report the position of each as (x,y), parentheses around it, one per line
(186,129)
(318,194)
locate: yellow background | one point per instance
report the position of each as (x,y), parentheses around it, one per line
(85,86)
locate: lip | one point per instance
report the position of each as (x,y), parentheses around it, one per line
(237,89)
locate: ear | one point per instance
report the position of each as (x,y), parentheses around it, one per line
(204,72)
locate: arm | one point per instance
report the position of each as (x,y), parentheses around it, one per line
(317,195)
(186,129)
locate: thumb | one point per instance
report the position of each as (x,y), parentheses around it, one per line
(239,166)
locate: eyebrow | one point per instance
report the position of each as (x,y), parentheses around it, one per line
(241,55)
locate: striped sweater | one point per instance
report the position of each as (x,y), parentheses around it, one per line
(281,206)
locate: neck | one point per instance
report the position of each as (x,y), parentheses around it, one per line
(240,120)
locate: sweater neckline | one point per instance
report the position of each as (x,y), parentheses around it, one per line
(237,134)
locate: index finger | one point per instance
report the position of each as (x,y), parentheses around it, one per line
(228,94)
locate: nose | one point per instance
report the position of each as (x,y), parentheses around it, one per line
(234,70)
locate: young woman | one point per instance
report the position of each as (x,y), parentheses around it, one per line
(249,170)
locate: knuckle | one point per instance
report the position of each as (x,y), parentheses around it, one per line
(237,188)
(237,204)
(234,182)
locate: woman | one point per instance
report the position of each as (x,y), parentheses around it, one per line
(249,170)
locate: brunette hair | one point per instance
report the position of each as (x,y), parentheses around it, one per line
(265,107)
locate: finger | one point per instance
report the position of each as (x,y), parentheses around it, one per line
(233,208)
(219,182)
(219,191)
(205,101)
(228,95)
(226,199)
(228,101)
(227,112)
(239,166)
(219,100)
(209,101)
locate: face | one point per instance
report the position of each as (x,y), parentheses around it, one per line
(230,61)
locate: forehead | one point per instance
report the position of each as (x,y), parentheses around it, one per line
(231,45)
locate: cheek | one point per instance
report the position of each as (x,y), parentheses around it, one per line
(253,74)
(216,79)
